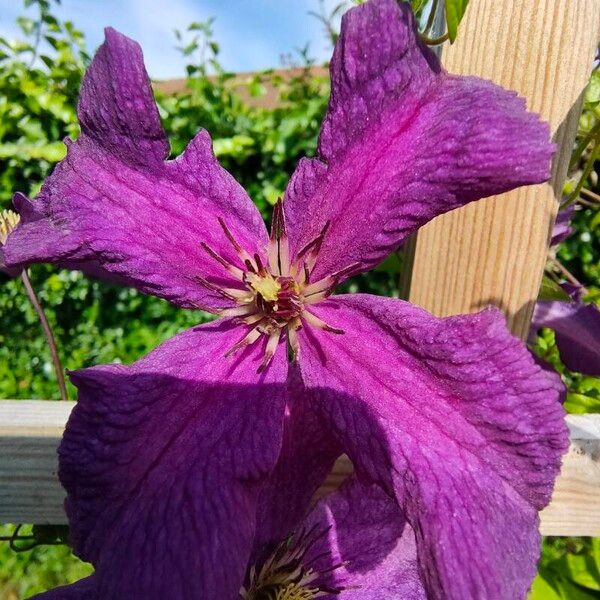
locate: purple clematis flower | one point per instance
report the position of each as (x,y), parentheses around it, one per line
(577,327)
(180,467)
(355,543)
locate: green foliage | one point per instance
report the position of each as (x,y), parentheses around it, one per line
(583,392)
(581,252)
(25,573)
(94,322)
(550,290)
(455,10)
(40,76)
(568,569)
(592,95)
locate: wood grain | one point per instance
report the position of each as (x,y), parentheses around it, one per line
(30,431)
(494,251)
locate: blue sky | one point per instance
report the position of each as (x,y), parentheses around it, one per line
(253,34)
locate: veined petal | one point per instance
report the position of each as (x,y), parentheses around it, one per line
(84,589)
(163,462)
(370,549)
(402,142)
(4,269)
(454,418)
(116,105)
(307,456)
(115,208)
(562,226)
(577,328)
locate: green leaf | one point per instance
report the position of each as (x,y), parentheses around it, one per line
(455,10)
(584,397)
(582,569)
(52,41)
(52,152)
(550,290)
(581,404)
(549,585)
(542,590)
(592,93)
(27,25)
(417,5)
(233,146)
(390,265)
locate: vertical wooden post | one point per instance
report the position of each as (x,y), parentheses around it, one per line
(494,251)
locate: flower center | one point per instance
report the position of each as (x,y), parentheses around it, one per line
(277,295)
(289,574)
(289,591)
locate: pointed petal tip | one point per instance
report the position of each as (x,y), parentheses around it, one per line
(22,203)
(112,35)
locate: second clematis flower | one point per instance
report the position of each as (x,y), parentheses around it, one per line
(354,543)
(183,466)
(576,323)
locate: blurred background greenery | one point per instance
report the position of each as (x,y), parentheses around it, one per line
(95,322)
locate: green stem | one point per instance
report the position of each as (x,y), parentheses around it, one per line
(435,41)
(590,195)
(37,306)
(583,144)
(566,273)
(553,276)
(586,173)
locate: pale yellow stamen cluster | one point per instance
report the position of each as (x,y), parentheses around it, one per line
(278,293)
(8,222)
(283,591)
(285,576)
(267,286)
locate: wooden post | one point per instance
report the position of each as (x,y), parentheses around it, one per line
(494,251)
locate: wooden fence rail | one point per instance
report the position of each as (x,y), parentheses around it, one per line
(30,431)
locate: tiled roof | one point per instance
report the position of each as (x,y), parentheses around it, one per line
(239,82)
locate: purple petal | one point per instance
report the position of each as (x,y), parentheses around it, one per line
(163,462)
(369,542)
(4,269)
(577,327)
(116,105)
(574,290)
(306,458)
(403,141)
(114,208)
(562,226)
(84,589)
(453,417)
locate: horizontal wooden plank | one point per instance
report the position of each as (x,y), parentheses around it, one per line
(30,431)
